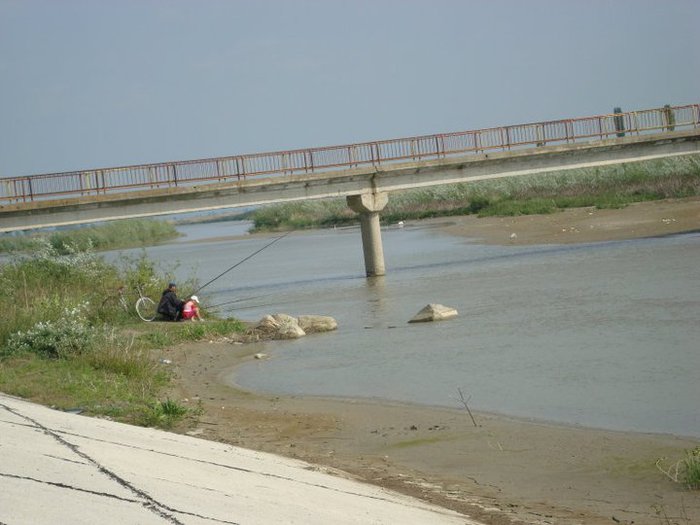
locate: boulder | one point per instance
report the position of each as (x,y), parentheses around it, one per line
(290,331)
(267,324)
(317,323)
(280,326)
(434,312)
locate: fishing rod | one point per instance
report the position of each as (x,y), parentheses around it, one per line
(240,262)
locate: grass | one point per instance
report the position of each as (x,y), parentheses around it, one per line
(117,382)
(685,471)
(603,187)
(162,335)
(163,414)
(64,345)
(691,469)
(108,236)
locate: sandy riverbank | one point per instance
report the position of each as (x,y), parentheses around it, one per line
(503,471)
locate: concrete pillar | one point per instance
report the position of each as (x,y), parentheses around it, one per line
(368,205)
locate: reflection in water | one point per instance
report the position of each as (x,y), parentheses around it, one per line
(376,297)
(599,335)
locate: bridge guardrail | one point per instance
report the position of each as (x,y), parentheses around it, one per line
(376,153)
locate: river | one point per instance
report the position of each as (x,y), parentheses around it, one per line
(598,335)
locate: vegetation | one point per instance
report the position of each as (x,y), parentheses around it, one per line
(65,343)
(603,187)
(691,469)
(107,236)
(685,471)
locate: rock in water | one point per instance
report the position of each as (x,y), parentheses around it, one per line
(434,312)
(317,323)
(268,324)
(280,326)
(290,331)
(284,326)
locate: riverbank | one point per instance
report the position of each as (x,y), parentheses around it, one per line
(503,471)
(582,225)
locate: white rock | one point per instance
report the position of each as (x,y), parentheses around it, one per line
(290,331)
(434,312)
(317,323)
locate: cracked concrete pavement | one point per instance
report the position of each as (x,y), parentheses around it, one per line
(57,467)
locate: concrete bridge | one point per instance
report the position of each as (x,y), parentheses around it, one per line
(363,173)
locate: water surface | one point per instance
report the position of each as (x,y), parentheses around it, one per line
(603,335)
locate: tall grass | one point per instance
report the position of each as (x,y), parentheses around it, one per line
(62,344)
(604,187)
(108,236)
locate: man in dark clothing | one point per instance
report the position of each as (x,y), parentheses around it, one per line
(170,306)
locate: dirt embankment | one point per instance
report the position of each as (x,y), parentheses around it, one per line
(502,471)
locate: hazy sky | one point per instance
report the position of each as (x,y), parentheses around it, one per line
(99,83)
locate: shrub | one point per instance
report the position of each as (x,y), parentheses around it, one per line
(69,335)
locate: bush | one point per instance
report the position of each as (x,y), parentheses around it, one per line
(69,335)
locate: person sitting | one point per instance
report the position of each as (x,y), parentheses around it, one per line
(170,307)
(190,310)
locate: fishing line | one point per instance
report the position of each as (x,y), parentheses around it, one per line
(209,306)
(240,262)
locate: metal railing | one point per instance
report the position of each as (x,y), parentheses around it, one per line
(378,153)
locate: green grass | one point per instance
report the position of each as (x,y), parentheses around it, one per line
(691,469)
(163,414)
(108,236)
(117,383)
(603,187)
(163,335)
(65,343)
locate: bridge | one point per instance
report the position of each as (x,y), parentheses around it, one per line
(363,173)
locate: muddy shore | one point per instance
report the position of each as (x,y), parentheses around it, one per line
(502,471)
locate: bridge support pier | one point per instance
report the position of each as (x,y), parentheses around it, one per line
(368,205)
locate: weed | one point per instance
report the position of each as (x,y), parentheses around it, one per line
(605,187)
(62,344)
(685,471)
(691,464)
(108,236)
(163,414)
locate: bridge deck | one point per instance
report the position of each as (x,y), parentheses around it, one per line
(157,189)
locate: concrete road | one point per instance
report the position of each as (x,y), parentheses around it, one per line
(63,468)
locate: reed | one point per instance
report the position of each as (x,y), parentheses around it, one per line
(108,236)
(604,187)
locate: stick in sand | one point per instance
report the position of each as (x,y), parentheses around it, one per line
(461,397)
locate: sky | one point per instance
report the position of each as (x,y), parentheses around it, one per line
(101,83)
